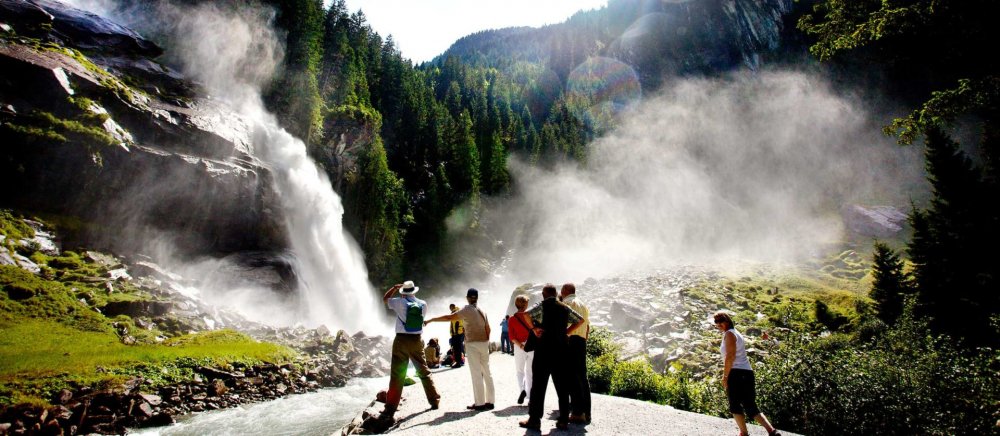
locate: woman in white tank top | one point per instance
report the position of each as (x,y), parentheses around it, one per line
(737,377)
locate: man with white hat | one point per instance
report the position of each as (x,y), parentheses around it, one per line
(407,346)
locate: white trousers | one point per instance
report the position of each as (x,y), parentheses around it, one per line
(522,366)
(478,356)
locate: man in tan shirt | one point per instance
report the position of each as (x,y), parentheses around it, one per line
(477,349)
(579,396)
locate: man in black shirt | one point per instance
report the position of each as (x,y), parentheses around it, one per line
(550,319)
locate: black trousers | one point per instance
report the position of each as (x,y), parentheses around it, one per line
(579,393)
(549,361)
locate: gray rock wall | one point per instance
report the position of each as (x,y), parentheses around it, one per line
(179,166)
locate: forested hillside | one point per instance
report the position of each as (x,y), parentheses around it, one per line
(408,146)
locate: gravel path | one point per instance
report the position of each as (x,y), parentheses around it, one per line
(612,415)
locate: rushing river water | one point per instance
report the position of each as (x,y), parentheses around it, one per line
(318,413)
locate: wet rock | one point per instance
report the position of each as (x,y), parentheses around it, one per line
(874,221)
(627,316)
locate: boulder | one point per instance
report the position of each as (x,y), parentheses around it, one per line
(874,221)
(626,316)
(137,308)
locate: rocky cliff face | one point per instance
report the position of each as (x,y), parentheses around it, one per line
(96,130)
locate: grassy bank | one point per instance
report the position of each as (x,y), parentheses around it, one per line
(53,334)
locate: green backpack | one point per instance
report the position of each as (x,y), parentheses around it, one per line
(414,316)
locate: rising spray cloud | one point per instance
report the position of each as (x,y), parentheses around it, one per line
(747,167)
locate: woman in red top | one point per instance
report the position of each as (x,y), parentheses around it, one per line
(517,328)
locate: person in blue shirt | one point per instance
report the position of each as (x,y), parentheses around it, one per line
(505,345)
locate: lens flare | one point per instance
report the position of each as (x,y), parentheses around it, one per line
(600,89)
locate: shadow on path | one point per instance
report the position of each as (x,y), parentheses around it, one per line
(446,417)
(512,411)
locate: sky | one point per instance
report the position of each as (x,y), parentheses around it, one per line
(426,28)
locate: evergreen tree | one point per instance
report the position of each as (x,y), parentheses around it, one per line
(890,285)
(956,283)
(294,93)
(464,163)
(378,202)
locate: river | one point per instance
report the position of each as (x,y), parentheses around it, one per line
(318,413)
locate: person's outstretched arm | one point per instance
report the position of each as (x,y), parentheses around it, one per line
(390,293)
(449,317)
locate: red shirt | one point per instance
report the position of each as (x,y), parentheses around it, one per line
(515,329)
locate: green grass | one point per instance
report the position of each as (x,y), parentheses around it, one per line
(14,228)
(39,357)
(42,348)
(51,336)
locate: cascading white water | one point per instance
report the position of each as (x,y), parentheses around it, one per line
(333,286)
(229,50)
(233,50)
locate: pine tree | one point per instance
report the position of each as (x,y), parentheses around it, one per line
(891,284)
(956,281)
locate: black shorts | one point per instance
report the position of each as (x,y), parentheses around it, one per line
(742,393)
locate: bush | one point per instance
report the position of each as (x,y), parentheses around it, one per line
(904,382)
(636,379)
(599,372)
(601,342)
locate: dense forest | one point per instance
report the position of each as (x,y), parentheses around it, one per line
(407,146)
(410,145)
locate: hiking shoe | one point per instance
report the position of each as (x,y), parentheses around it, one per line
(531,424)
(520,398)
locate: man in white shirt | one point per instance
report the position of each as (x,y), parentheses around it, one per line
(407,346)
(579,396)
(477,350)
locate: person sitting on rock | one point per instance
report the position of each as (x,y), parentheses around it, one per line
(449,358)
(477,331)
(432,353)
(407,346)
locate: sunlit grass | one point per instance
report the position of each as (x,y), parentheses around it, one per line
(40,348)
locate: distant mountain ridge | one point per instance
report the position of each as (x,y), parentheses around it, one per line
(700,37)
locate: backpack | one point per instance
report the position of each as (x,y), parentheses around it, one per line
(414,321)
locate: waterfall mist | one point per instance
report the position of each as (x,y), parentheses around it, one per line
(233,50)
(752,167)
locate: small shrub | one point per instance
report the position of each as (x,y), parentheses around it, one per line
(599,372)
(636,379)
(601,342)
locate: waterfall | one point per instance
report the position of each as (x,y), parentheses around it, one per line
(333,286)
(233,51)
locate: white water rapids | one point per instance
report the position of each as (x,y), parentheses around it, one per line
(319,413)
